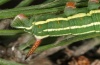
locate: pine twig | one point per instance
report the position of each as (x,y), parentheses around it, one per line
(3,1)
(6,62)
(24,3)
(12,13)
(10,32)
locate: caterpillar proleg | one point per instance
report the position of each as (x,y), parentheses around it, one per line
(77,23)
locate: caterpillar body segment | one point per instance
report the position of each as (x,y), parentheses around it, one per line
(77,23)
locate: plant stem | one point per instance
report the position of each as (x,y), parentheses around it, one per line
(9,14)
(48,1)
(24,3)
(10,32)
(55,3)
(3,1)
(6,62)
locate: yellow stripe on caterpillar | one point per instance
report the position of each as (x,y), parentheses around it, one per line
(68,18)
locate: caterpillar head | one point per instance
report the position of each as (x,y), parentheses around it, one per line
(20,21)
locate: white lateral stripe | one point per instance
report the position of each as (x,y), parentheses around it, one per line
(85,32)
(28,28)
(72,27)
(41,37)
(93,11)
(68,18)
(21,27)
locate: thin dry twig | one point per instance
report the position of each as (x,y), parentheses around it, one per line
(86,46)
(4,23)
(50,51)
(18,54)
(96,62)
(98,51)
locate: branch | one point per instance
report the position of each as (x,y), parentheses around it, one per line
(3,1)
(10,32)
(12,12)
(6,62)
(24,3)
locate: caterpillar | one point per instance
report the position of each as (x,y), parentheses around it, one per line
(75,24)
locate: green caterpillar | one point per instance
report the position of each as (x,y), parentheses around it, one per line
(77,24)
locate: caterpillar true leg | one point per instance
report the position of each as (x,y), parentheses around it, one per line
(35,45)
